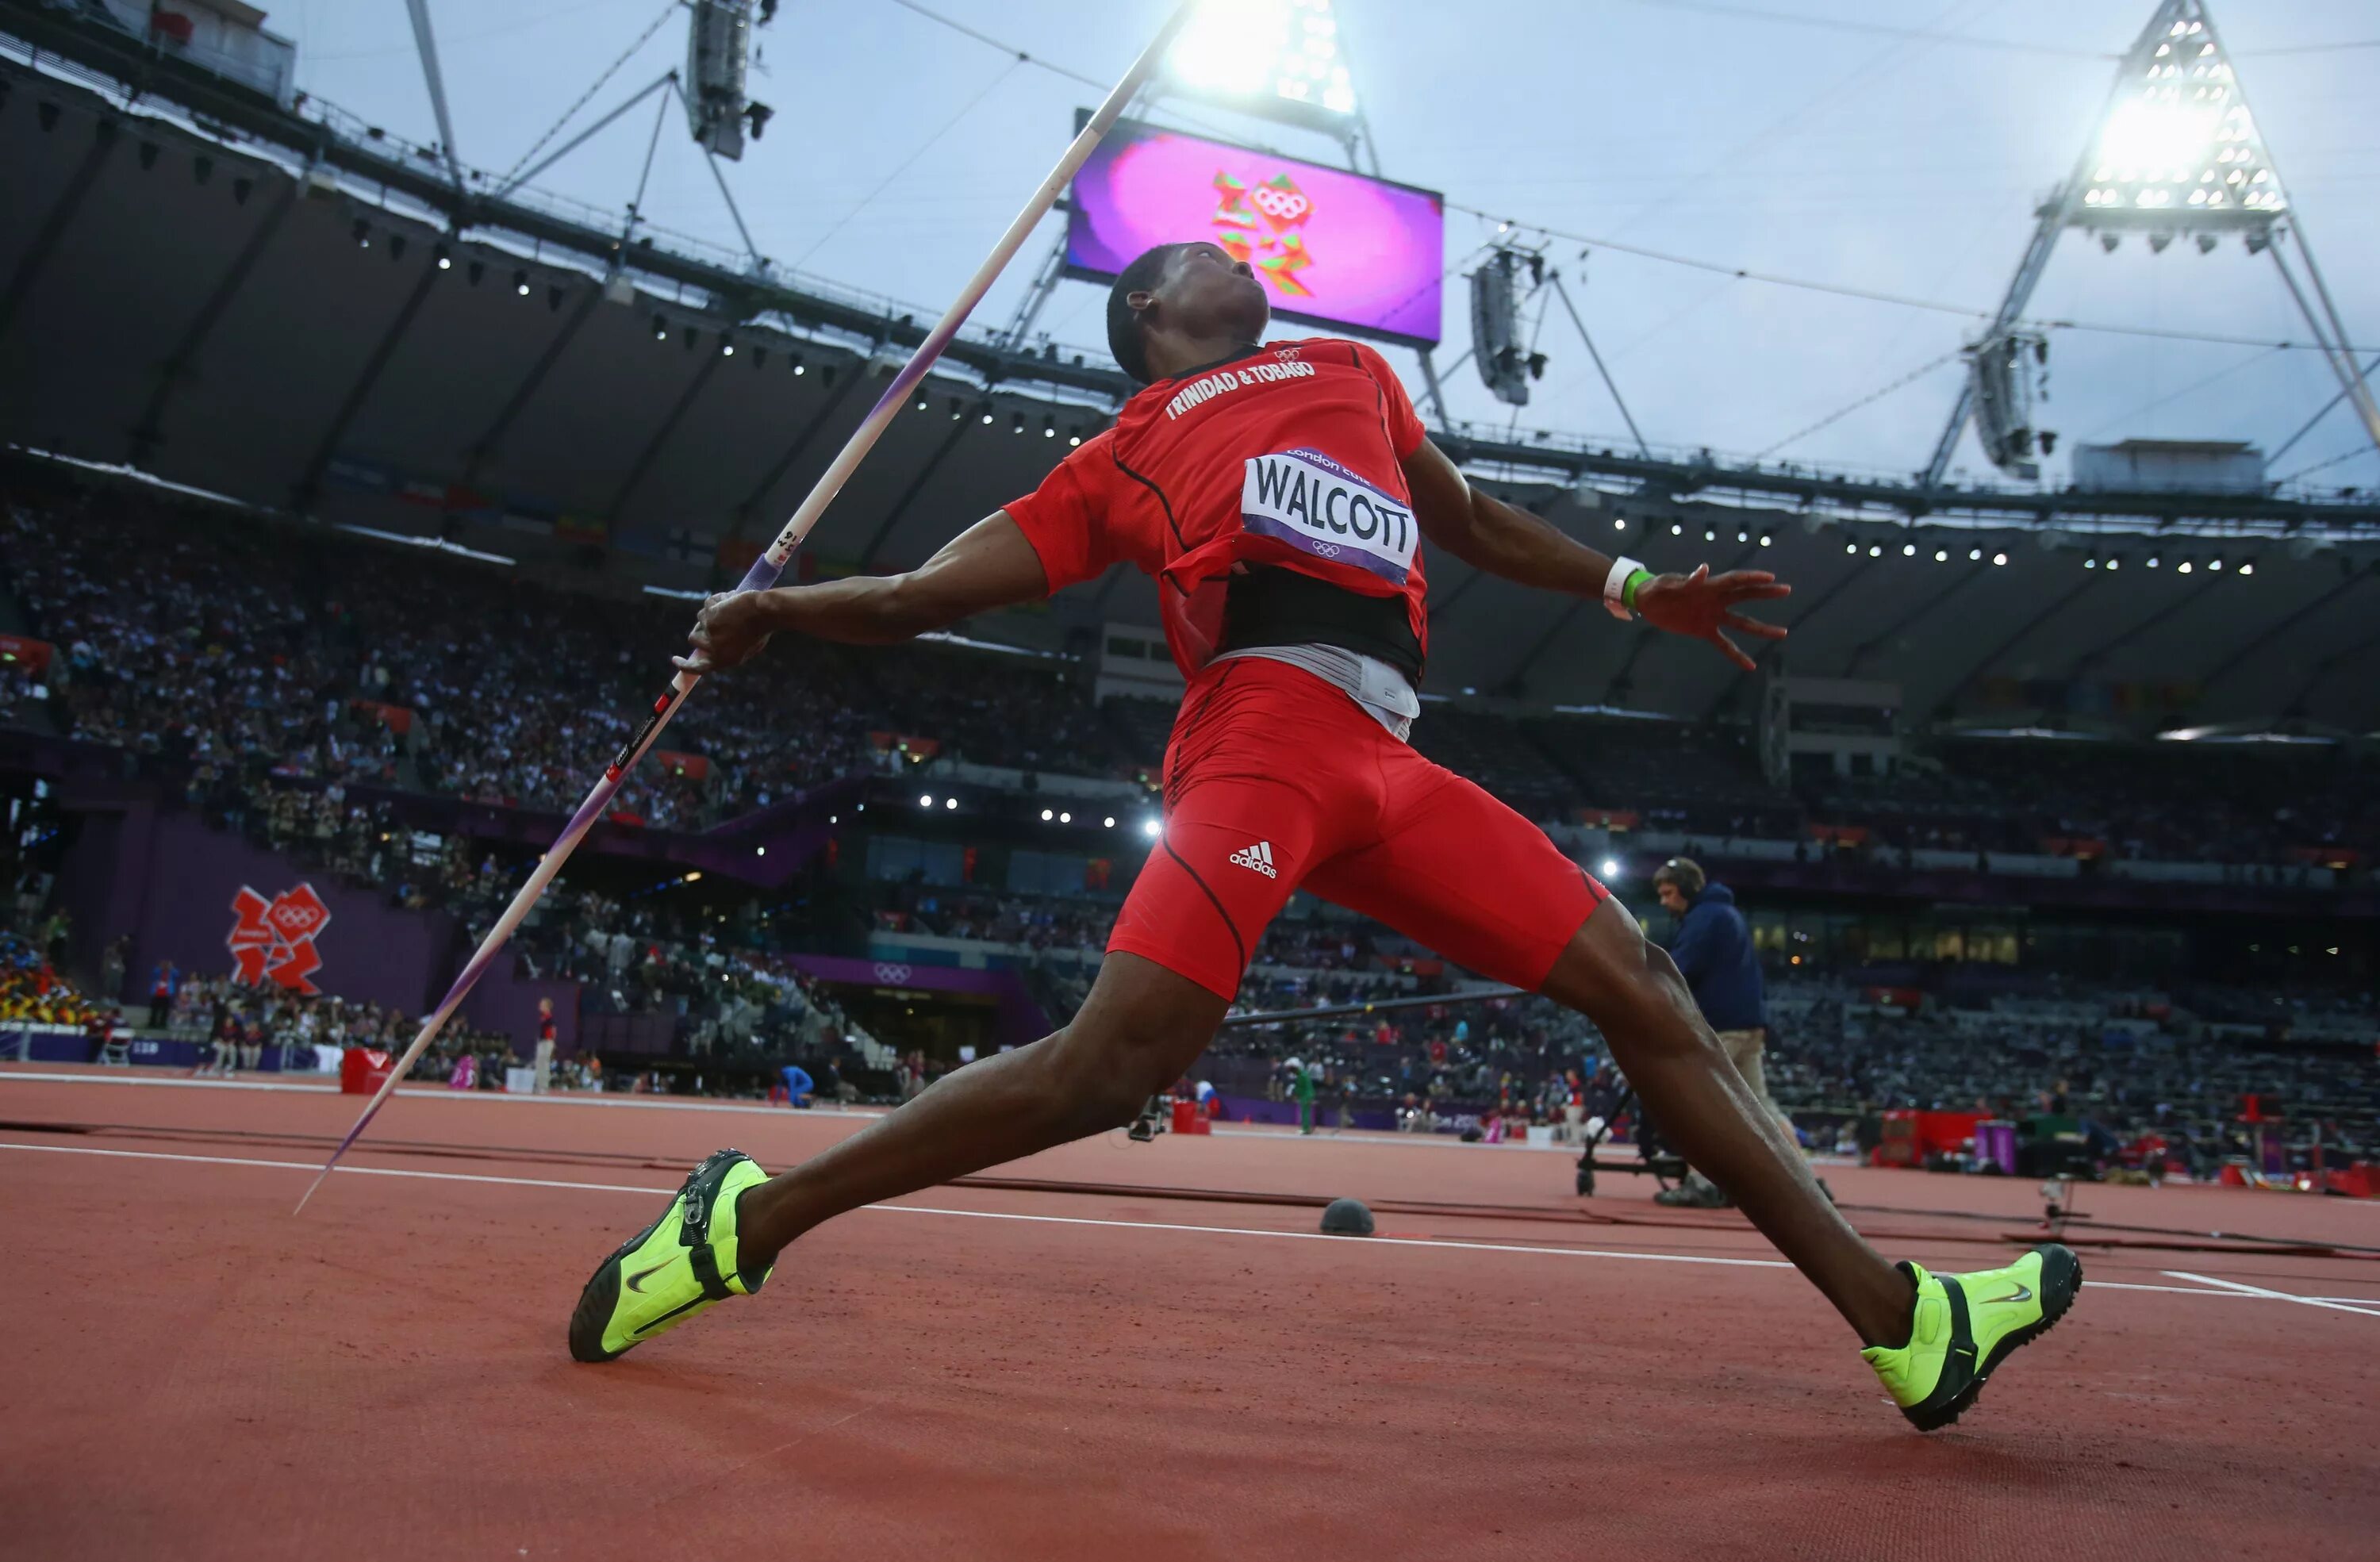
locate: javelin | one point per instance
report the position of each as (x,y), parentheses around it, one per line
(770,565)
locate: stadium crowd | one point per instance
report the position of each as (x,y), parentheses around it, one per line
(242,650)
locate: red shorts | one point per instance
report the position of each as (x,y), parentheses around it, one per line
(1277,780)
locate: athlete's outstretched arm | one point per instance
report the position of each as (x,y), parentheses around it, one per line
(987,565)
(1487,534)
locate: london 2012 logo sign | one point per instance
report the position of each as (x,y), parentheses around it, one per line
(1261,224)
(273,941)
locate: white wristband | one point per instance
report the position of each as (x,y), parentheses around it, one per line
(1614,583)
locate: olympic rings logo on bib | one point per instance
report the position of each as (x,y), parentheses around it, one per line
(1306,498)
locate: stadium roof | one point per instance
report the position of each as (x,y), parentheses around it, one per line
(255,307)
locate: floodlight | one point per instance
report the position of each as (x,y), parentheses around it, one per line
(1274,57)
(2177,148)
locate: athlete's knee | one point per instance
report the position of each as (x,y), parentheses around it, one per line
(1630,989)
(1101,1077)
(1141,1026)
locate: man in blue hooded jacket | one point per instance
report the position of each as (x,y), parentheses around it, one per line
(1713,949)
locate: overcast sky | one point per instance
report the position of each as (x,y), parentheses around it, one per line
(1828,147)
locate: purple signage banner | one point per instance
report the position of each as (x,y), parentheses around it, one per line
(1332,247)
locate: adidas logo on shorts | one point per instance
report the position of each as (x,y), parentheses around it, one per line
(1258,856)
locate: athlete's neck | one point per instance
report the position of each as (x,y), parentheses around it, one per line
(1170,354)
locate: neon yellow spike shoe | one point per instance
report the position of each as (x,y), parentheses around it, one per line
(677,1267)
(1966,1326)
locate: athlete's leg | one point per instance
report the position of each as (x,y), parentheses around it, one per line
(1241,827)
(1633,993)
(1466,875)
(1139,1029)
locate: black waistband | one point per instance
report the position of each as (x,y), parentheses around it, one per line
(1269,606)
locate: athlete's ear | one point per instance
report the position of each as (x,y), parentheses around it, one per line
(1139,299)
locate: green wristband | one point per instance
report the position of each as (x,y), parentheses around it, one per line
(1628,590)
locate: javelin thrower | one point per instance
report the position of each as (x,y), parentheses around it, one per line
(1280,494)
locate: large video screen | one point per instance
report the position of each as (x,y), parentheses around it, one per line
(1333,246)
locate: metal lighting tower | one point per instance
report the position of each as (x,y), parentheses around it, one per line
(2176,154)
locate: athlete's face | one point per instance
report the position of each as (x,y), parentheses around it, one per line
(1206,293)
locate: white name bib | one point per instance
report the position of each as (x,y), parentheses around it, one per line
(1310,501)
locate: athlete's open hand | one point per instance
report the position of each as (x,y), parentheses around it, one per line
(1702,606)
(733,628)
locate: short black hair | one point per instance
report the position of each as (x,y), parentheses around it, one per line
(1123,321)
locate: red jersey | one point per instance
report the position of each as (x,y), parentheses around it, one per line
(1289,456)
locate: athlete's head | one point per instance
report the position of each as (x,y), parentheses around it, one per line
(1676,882)
(1172,307)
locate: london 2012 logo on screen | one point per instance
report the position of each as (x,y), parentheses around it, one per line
(273,941)
(1261,225)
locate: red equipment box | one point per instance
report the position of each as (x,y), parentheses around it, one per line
(362,1070)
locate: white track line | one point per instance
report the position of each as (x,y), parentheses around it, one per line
(2231,1293)
(2367,1311)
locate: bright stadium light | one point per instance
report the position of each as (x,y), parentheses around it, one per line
(1047,815)
(2175,154)
(926,801)
(2178,143)
(1277,57)
(1151,829)
(950,802)
(1610,867)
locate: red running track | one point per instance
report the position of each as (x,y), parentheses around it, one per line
(190,1372)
